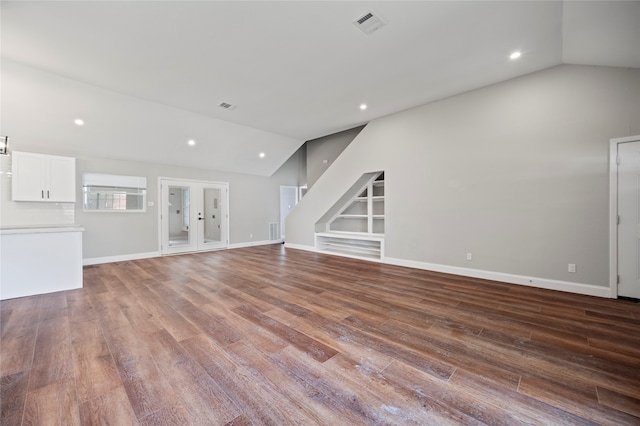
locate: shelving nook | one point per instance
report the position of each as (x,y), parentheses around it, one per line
(354,226)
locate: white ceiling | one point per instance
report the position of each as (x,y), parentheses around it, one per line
(295,70)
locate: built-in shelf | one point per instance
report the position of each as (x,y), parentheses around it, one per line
(353,234)
(355,228)
(360,216)
(356,245)
(373,198)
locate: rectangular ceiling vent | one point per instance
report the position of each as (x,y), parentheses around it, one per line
(226,105)
(369,22)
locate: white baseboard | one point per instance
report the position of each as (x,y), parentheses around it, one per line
(571,287)
(579,288)
(299,247)
(254,243)
(136,256)
(119,258)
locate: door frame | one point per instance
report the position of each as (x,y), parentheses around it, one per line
(613,211)
(226,220)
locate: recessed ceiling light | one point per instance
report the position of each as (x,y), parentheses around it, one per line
(78,122)
(261,155)
(515,55)
(191,142)
(363,106)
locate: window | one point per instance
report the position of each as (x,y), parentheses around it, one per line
(113,193)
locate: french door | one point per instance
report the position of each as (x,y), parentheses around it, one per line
(194,216)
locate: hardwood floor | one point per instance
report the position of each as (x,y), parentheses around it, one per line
(265,335)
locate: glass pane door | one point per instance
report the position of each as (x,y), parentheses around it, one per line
(193,216)
(212,215)
(178,214)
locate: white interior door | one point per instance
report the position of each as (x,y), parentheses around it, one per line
(288,200)
(629,216)
(194,216)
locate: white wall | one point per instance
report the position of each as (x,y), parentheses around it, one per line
(254,202)
(515,173)
(33,116)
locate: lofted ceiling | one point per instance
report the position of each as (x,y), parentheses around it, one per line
(147,76)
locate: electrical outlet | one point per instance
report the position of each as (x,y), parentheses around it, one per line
(469,256)
(572,268)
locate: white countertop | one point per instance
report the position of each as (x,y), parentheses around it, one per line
(40,229)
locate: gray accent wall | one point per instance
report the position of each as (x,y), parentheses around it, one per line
(515,173)
(322,152)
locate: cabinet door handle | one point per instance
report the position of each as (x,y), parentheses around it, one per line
(48,194)
(43,193)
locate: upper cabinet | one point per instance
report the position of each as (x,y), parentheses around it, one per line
(39,177)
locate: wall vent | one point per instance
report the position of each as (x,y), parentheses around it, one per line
(369,22)
(273,231)
(226,106)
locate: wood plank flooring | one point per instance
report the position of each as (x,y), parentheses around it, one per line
(274,336)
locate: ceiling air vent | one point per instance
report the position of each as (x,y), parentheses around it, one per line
(226,106)
(369,22)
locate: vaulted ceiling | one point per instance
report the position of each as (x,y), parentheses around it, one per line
(147,76)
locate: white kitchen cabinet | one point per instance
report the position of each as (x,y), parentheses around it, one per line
(38,260)
(39,177)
